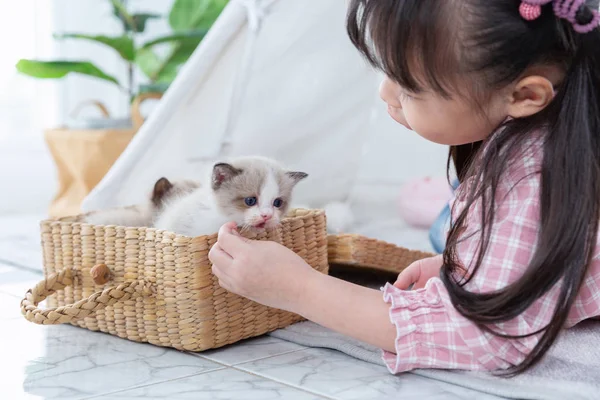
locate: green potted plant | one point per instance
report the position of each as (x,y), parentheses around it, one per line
(83,153)
(189,20)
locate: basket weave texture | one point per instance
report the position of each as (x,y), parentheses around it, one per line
(161,288)
(360,251)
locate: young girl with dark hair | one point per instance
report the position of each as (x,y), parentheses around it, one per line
(513,88)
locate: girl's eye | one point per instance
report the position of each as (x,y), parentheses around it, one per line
(277,203)
(250,201)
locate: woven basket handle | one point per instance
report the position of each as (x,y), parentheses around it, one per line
(99,105)
(81,309)
(136,113)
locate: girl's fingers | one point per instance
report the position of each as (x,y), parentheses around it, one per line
(220,273)
(224,285)
(218,256)
(409,276)
(230,241)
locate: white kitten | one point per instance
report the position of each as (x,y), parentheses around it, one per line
(255,192)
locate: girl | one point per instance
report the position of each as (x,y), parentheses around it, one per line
(513,87)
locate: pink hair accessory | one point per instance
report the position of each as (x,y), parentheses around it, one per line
(530,12)
(566,9)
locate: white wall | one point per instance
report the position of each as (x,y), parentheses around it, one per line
(26,171)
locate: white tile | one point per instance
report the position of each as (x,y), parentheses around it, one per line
(223,385)
(10,308)
(69,362)
(250,350)
(337,375)
(20,240)
(80,378)
(16,281)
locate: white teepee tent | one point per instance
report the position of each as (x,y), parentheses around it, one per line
(277,78)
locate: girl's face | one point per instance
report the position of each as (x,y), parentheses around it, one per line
(449,122)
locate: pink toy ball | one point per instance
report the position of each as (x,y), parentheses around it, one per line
(421,200)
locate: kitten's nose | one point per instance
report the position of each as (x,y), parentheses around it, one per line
(266,217)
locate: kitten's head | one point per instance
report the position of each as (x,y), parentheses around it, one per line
(255,192)
(165,191)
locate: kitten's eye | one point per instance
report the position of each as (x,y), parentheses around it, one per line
(250,201)
(277,203)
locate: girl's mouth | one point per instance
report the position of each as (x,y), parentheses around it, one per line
(393,112)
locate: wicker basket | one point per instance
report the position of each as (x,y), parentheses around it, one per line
(161,288)
(154,286)
(356,250)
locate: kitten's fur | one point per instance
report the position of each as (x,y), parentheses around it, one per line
(143,214)
(206,209)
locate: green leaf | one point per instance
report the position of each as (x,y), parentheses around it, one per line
(139,21)
(121,12)
(165,70)
(131,22)
(122,44)
(196,36)
(156,69)
(183,50)
(59,69)
(148,62)
(191,20)
(195,14)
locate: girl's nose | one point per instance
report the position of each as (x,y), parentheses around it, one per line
(388,91)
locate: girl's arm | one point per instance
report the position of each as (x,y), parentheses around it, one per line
(358,311)
(418,329)
(347,308)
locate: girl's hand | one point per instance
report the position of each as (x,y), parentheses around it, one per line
(419,272)
(265,272)
(275,276)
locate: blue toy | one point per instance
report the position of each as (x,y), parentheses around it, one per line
(437,232)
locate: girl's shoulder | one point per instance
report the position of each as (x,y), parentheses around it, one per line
(526,159)
(522,163)
(519,181)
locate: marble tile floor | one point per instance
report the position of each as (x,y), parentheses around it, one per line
(65,362)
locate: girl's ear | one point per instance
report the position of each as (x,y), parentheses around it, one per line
(530,96)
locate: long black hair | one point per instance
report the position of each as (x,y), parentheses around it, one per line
(436,44)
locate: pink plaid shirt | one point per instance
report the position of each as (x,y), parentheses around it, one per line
(432,334)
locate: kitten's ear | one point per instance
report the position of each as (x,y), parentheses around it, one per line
(223,172)
(161,188)
(297,176)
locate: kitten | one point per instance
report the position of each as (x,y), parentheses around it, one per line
(255,192)
(143,214)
